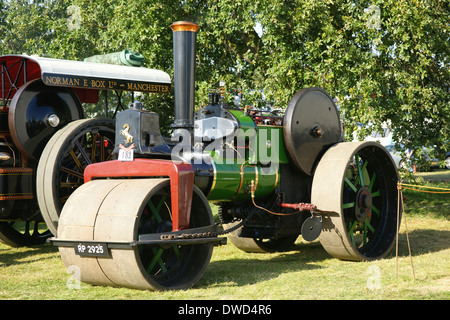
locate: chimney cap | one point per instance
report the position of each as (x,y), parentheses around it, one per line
(184,26)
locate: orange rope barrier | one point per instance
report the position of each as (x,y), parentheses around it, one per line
(417,188)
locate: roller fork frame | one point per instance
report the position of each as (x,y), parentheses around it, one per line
(181,177)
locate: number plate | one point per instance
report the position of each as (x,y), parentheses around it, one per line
(125,155)
(91,249)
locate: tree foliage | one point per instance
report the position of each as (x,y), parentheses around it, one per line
(383,61)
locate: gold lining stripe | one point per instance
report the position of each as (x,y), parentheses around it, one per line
(241,173)
(256,178)
(277,176)
(214,178)
(269,126)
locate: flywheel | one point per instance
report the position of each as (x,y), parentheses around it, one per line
(38,111)
(311,124)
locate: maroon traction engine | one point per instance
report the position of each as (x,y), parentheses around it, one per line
(129,207)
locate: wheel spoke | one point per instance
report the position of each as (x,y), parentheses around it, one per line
(94,147)
(160,218)
(76,160)
(367,227)
(27,228)
(156,209)
(176,250)
(161,202)
(360,173)
(155,212)
(157,259)
(375,209)
(350,184)
(365,172)
(70,184)
(83,152)
(36,228)
(72,172)
(372,181)
(348,205)
(110,155)
(370,226)
(365,234)
(362,179)
(376,194)
(64,199)
(102,148)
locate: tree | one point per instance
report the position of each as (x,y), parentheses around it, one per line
(383,61)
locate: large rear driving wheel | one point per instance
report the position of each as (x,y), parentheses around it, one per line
(355,185)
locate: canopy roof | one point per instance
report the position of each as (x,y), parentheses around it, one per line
(82,76)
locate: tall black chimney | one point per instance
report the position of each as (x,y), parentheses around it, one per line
(184,39)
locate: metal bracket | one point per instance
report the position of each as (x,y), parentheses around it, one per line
(181,178)
(183,237)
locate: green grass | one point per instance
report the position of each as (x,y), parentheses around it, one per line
(306,272)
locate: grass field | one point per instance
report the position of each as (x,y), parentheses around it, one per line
(306,272)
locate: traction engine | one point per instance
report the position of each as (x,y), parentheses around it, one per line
(144,220)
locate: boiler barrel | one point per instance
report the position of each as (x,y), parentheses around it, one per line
(232,181)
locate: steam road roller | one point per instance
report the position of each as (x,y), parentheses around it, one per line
(46,140)
(144,219)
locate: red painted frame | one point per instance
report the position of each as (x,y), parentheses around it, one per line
(181,177)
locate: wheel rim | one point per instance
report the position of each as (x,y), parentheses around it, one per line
(362,202)
(359,202)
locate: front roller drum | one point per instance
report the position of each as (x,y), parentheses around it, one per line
(355,187)
(120,211)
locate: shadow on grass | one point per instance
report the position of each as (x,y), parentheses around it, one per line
(306,256)
(422,241)
(253,268)
(257,267)
(12,256)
